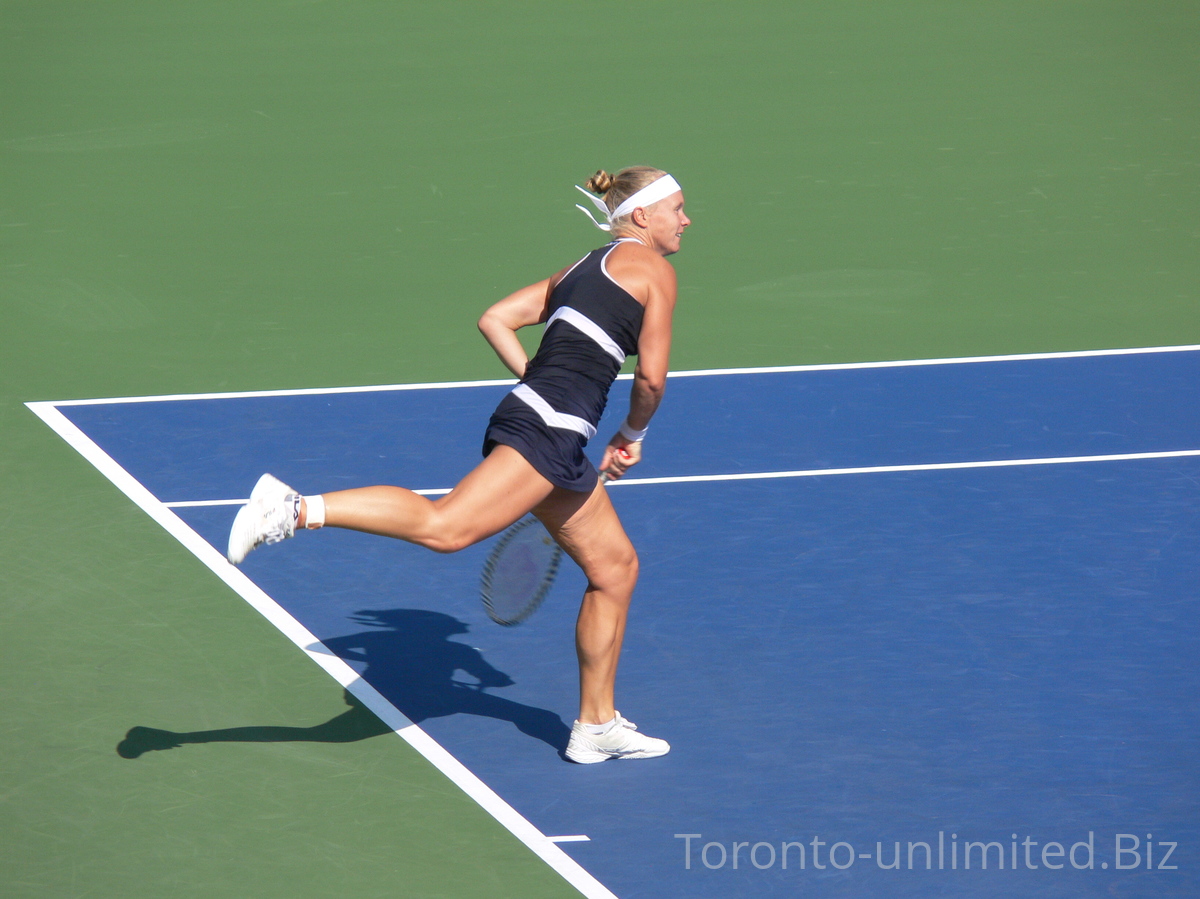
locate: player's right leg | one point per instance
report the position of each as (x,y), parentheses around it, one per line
(588,529)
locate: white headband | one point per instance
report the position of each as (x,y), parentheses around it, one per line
(647,196)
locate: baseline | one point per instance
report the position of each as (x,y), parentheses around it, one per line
(695,373)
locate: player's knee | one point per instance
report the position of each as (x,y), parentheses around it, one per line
(447,536)
(619,572)
(631,564)
(448,542)
(447,532)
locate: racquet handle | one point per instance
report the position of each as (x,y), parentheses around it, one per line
(605,477)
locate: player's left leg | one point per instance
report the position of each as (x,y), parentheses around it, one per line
(498,491)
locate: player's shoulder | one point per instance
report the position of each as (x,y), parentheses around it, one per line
(639,256)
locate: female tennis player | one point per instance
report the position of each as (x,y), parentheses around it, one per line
(616,301)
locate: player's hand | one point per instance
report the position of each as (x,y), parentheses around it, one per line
(619,456)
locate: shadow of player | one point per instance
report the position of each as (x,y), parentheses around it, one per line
(412,661)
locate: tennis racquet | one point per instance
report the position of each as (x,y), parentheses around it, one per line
(520,570)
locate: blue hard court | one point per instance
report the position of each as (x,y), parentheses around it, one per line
(872,668)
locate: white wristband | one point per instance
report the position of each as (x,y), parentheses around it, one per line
(630,434)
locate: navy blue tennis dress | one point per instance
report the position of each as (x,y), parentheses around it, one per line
(593,324)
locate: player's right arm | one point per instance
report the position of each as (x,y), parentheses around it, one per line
(654,346)
(650,375)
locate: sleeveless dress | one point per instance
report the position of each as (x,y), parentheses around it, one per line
(593,325)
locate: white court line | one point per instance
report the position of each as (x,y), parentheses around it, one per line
(464,778)
(577,838)
(887,469)
(807,473)
(198,503)
(782,369)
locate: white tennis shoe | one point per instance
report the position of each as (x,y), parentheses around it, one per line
(623,741)
(269,517)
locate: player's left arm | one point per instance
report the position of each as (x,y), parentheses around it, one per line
(499,325)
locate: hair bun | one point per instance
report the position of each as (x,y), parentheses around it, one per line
(600,183)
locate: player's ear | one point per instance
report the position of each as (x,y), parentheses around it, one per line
(639,217)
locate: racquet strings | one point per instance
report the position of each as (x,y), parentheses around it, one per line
(519,572)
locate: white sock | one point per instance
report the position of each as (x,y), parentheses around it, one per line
(600,729)
(316,512)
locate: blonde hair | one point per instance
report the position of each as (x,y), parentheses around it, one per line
(615,189)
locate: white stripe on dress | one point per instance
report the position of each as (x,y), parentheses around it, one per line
(529,397)
(581,322)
